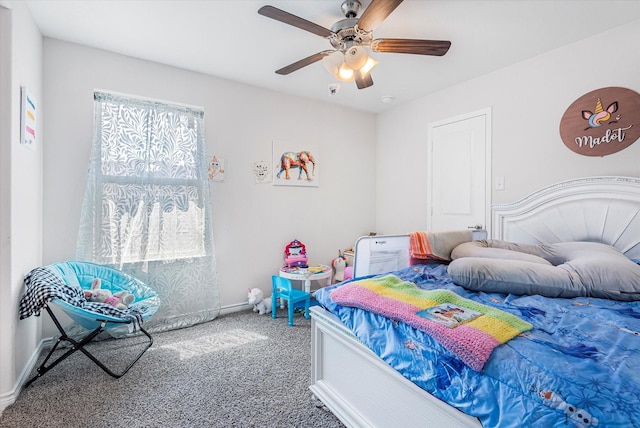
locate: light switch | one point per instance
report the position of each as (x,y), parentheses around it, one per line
(499,183)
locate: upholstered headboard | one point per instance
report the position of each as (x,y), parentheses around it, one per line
(602,209)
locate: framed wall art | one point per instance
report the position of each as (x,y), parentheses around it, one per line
(296,164)
(261,171)
(28,116)
(216,169)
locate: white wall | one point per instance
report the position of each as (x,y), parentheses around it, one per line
(252,222)
(527,101)
(21,197)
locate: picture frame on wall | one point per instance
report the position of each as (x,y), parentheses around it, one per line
(28,117)
(261,171)
(216,169)
(296,164)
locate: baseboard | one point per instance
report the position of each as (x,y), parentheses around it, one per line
(8,398)
(237,307)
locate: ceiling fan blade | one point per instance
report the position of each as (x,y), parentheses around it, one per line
(303,63)
(411,46)
(363,80)
(296,21)
(376,12)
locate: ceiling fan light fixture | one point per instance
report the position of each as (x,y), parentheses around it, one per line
(345,73)
(368,65)
(343,65)
(356,57)
(333,62)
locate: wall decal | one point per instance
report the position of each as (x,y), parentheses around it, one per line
(602,122)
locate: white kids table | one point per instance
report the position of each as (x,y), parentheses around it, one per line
(312,273)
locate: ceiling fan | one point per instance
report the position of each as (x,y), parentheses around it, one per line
(350,37)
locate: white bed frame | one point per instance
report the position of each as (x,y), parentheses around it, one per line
(363,391)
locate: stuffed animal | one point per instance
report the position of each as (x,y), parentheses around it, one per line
(339,264)
(260,304)
(120,300)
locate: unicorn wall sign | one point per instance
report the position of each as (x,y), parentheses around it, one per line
(589,129)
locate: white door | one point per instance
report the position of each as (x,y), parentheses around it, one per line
(459,176)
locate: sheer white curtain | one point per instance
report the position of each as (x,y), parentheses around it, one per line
(147,209)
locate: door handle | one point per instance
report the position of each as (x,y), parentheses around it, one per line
(476,227)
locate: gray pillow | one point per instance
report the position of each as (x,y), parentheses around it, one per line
(497,249)
(573,269)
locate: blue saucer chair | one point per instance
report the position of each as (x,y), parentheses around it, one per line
(63,285)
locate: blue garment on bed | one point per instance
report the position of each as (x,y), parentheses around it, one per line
(577,367)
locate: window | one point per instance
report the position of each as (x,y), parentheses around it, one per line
(148,180)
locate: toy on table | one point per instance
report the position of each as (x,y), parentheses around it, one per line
(295,254)
(260,304)
(120,300)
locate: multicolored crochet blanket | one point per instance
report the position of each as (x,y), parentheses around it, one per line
(400,300)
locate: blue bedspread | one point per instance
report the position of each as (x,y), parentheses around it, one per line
(579,366)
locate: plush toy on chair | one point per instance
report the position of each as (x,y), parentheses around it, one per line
(120,300)
(260,304)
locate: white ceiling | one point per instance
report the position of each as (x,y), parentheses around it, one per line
(229,39)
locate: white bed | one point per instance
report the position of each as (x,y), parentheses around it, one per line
(363,391)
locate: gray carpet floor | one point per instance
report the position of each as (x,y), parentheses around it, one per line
(240,370)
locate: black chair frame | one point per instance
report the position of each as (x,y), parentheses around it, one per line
(80,346)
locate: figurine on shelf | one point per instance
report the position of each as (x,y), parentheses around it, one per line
(295,254)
